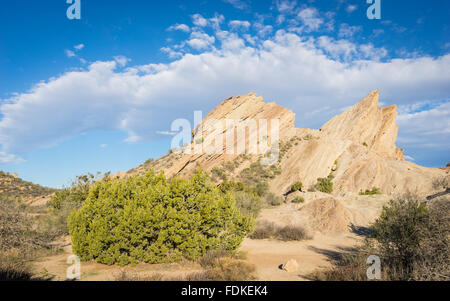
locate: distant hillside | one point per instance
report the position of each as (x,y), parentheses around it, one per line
(11,186)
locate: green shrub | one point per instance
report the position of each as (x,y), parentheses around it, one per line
(227,186)
(399,233)
(148,219)
(324,185)
(257,176)
(273,200)
(261,188)
(412,240)
(74,195)
(63,202)
(248,203)
(247,200)
(298,200)
(374,191)
(297,187)
(218,173)
(230,165)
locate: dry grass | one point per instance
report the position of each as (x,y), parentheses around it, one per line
(14,267)
(20,242)
(218,266)
(267,230)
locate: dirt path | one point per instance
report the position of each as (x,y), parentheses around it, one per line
(267,255)
(310,255)
(55,268)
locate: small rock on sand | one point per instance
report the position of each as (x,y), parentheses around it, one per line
(290,266)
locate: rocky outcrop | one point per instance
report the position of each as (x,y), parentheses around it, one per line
(356,147)
(367,124)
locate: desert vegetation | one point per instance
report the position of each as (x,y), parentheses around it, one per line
(216,265)
(20,240)
(440,183)
(153,220)
(268,230)
(14,187)
(298,200)
(324,185)
(412,239)
(297,186)
(372,191)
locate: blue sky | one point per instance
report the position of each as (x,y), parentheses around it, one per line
(96,94)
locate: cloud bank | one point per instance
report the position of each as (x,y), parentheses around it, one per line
(315,76)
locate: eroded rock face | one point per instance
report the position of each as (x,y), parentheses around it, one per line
(356,147)
(367,124)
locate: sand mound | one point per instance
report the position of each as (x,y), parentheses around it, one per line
(327,215)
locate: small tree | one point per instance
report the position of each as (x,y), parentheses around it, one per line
(297,186)
(324,185)
(398,233)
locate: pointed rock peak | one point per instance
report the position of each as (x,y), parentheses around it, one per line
(368,125)
(369,103)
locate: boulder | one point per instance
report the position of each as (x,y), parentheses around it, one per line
(290,266)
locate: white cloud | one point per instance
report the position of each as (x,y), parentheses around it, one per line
(347,31)
(236,24)
(305,74)
(351,8)
(239,4)
(79,47)
(198,20)
(171,53)
(180,27)
(310,19)
(200,40)
(286,6)
(122,60)
(70,53)
(427,128)
(9,158)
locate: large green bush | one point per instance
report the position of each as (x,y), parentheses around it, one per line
(149,219)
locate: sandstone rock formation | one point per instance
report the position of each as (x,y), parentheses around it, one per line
(357,147)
